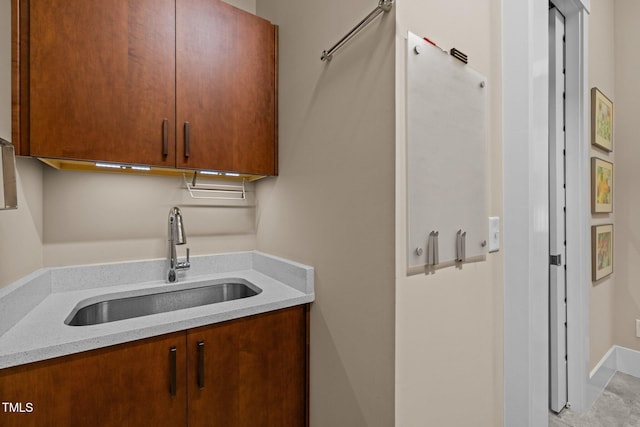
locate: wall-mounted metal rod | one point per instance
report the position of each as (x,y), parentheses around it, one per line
(383,6)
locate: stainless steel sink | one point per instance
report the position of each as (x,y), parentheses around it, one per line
(112,309)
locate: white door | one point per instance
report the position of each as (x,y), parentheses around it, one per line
(557,207)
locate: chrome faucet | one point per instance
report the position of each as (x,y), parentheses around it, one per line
(176,237)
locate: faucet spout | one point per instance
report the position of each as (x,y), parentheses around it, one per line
(177,236)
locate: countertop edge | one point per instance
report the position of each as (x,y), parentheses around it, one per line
(36,292)
(67,349)
(22,296)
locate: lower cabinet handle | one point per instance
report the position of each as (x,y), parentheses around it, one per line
(172,371)
(187,128)
(201,364)
(165,137)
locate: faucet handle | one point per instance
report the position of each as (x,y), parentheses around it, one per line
(184,265)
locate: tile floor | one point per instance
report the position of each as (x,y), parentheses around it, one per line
(619,405)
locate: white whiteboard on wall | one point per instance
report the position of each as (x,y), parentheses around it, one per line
(446,155)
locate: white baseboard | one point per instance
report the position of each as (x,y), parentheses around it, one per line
(617,359)
(601,375)
(628,361)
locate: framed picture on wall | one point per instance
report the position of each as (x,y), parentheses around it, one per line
(601,251)
(601,186)
(601,120)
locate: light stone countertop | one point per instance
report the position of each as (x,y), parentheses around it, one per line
(33,310)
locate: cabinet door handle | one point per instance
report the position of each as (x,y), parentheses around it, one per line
(201,364)
(172,371)
(165,137)
(187,128)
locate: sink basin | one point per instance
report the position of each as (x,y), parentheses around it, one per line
(112,308)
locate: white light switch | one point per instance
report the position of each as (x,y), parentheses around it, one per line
(494,234)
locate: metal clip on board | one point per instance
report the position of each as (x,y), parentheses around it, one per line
(461,246)
(432,249)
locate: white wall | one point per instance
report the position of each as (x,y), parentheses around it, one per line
(449,324)
(602,71)
(333,204)
(626,173)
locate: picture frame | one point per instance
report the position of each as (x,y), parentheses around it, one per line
(601,251)
(601,120)
(601,186)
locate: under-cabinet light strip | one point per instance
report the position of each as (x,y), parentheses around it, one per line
(117,166)
(147,168)
(108,165)
(219,173)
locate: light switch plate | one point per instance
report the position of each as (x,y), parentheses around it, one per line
(494,234)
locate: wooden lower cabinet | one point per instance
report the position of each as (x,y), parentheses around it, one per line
(123,385)
(246,372)
(249,372)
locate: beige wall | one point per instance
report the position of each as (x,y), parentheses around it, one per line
(20,230)
(248,5)
(627,173)
(333,204)
(99,217)
(449,324)
(602,75)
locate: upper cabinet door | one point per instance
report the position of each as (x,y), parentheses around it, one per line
(225,88)
(102,79)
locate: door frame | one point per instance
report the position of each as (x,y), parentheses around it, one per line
(557,200)
(525,201)
(578,227)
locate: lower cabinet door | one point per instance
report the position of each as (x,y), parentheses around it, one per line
(249,372)
(135,384)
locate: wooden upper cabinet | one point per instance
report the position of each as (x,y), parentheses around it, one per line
(225,88)
(117,81)
(101,80)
